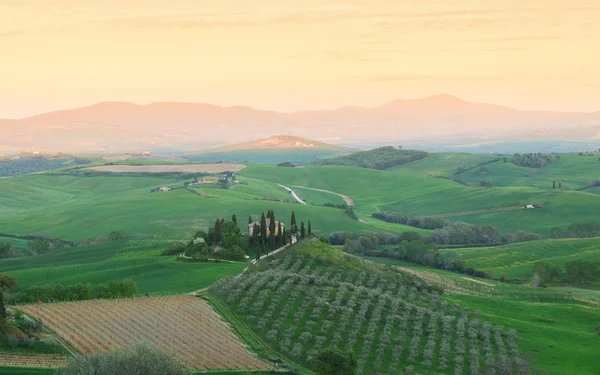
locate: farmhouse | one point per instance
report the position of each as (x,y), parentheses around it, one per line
(164,188)
(277,223)
(209,180)
(530,206)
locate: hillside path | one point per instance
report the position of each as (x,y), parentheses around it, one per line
(294,195)
(349,201)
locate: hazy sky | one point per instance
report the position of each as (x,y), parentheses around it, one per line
(304,54)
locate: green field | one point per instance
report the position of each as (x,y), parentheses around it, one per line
(17,243)
(556,325)
(516,260)
(416,193)
(139,260)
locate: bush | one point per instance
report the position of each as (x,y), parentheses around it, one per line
(141,359)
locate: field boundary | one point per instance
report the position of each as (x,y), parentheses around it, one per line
(473,212)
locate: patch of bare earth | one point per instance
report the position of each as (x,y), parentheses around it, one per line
(187,168)
(185,325)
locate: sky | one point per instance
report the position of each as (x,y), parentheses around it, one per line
(291,55)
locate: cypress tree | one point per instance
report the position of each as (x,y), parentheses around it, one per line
(249,219)
(263,230)
(2,310)
(255,234)
(234,219)
(302,232)
(217,231)
(272,235)
(553,185)
(280,240)
(294,227)
(309,229)
(222,221)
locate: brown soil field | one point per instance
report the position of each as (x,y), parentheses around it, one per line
(34,360)
(187,326)
(188,168)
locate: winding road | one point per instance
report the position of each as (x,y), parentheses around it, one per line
(293,193)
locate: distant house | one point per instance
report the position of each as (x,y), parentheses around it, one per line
(277,223)
(209,180)
(164,188)
(530,206)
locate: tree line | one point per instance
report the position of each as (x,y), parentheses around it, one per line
(78,292)
(457,233)
(577,230)
(577,272)
(379,158)
(225,240)
(31,165)
(534,160)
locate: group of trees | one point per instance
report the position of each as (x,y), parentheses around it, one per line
(379,158)
(27,165)
(577,230)
(78,292)
(534,160)
(364,240)
(577,272)
(7,250)
(225,240)
(8,284)
(456,233)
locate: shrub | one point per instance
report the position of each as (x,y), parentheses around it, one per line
(141,359)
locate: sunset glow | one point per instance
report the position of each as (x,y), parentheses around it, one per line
(290,55)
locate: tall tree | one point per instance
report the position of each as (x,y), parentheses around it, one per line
(302,231)
(250,219)
(309,229)
(263,230)
(234,219)
(255,234)
(553,185)
(272,233)
(218,231)
(280,240)
(560,185)
(293,227)
(2,309)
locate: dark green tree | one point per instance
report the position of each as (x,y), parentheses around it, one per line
(293,227)
(302,230)
(234,219)
(560,185)
(280,240)
(272,233)
(250,219)
(218,231)
(309,229)
(2,308)
(263,230)
(334,362)
(255,235)
(553,185)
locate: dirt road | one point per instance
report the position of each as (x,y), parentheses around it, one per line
(349,201)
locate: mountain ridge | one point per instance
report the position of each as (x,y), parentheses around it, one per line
(107,127)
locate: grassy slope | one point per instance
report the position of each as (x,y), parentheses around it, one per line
(410,192)
(516,260)
(269,156)
(138,260)
(17,243)
(77,207)
(556,325)
(572,170)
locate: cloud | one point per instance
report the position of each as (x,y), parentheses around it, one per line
(423,77)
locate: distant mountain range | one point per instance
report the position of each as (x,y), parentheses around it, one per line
(113,127)
(286,142)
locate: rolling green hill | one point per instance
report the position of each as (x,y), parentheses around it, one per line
(314,297)
(516,260)
(139,260)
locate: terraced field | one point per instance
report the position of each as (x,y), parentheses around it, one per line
(186,325)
